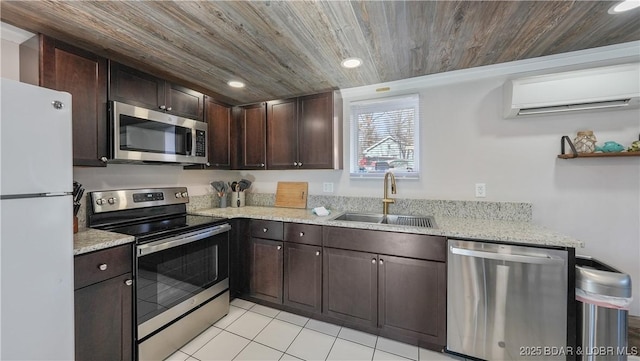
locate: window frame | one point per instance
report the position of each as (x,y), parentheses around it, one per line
(357,107)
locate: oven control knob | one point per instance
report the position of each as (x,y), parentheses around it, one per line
(178,195)
(111,200)
(100,201)
(185,194)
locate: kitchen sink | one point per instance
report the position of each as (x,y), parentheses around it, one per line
(361,217)
(402,220)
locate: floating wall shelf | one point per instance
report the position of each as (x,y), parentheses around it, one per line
(574,154)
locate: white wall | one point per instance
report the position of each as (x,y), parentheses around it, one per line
(10,65)
(465,140)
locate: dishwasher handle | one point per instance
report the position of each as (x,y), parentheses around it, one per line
(547,259)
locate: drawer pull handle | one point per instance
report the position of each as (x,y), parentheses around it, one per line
(279,248)
(265,230)
(301,234)
(317,253)
(102,267)
(373,261)
(128,282)
(381,261)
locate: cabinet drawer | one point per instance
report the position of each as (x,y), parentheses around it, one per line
(420,246)
(113,261)
(303,233)
(266,229)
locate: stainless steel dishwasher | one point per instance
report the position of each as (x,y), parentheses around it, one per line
(506,302)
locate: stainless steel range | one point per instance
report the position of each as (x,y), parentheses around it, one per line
(182,264)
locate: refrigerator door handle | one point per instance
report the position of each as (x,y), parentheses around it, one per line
(547,259)
(34,195)
(57,194)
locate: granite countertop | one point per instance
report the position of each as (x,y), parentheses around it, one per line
(482,229)
(89,240)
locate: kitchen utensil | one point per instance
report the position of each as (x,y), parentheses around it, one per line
(292,194)
(78,196)
(218,186)
(233,186)
(244,184)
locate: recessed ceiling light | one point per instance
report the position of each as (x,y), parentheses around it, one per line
(235,84)
(624,6)
(351,63)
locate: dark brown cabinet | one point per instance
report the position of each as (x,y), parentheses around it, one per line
(218,117)
(135,87)
(318,142)
(252,123)
(104,305)
(301,133)
(265,281)
(266,260)
(282,134)
(350,286)
(303,267)
(412,298)
(52,64)
(286,264)
(402,295)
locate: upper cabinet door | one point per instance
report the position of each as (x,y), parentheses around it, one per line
(282,134)
(184,102)
(253,121)
(218,118)
(134,87)
(84,75)
(316,132)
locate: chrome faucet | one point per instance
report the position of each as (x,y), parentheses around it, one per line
(386,200)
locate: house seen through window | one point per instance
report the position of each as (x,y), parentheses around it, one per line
(384,137)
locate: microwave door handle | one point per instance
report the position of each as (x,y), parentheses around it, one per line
(189,142)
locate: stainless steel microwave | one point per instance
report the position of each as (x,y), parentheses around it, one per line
(139,135)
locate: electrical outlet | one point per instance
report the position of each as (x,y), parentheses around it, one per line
(327,187)
(481,190)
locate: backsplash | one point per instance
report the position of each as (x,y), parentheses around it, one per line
(507,211)
(510,211)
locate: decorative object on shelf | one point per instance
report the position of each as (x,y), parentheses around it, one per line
(585,141)
(610,147)
(574,152)
(634,147)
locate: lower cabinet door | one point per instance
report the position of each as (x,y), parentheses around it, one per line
(413,298)
(303,276)
(103,320)
(266,258)
(350,286)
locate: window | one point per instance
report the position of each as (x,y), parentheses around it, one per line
(384,137)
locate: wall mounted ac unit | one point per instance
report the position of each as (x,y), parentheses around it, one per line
(610,87)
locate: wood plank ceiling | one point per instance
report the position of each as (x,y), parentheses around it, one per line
(289,48)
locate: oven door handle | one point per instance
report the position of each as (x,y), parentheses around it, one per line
(161,245)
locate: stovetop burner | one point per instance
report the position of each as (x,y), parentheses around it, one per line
(153,229)
(148,214)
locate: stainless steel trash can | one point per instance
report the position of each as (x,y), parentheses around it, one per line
(603,295)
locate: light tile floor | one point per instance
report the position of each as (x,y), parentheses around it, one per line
(256,332)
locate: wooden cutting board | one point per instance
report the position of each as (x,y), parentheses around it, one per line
(292,194)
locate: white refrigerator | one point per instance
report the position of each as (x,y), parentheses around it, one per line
(36,224)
